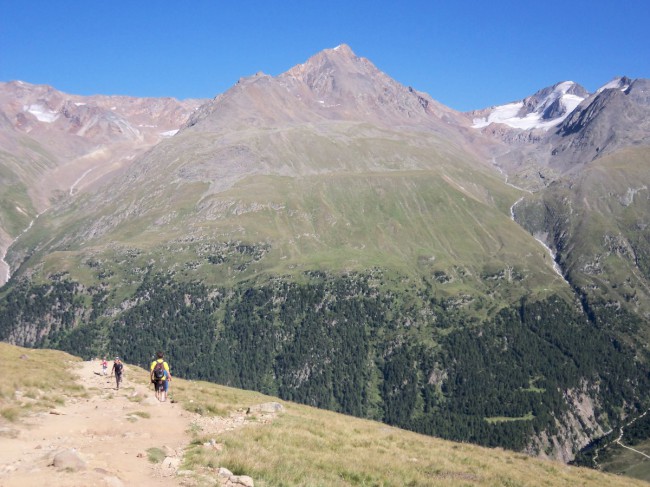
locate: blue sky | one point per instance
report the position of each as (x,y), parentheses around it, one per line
(465,54)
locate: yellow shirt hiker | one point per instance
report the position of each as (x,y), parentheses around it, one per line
(160,376)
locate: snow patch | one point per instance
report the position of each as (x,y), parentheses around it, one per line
(41,113)
(500,114)
(169,133)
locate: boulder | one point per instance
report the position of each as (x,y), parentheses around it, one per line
(112,481)
(68,459)
(266,408)
(171,463)
(150,401)
(228,479)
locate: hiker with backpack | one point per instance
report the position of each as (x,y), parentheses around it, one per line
(118,368)
(160,376)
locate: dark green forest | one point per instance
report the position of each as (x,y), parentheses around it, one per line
(347,344)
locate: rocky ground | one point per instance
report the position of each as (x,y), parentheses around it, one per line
(103,439)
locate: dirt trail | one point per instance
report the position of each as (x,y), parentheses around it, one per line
(109,430)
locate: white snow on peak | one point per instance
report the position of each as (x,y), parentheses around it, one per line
(41,113)
(563,87)
(509,114)
(615,83)
(500,114)
(337,48)
(169,133)
(571,102)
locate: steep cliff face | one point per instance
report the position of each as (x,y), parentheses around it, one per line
(573,430)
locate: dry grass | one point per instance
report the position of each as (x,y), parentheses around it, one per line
(155,454)
(311,447)
(34,380)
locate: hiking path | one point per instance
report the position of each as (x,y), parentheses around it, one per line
(104,437)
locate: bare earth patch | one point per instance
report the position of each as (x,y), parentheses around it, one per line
(104,438)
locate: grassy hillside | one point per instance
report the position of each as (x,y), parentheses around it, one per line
(33,380)
(623,461)
(307,446)
(598,222)
(299,200)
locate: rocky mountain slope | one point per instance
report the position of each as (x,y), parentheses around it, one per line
(54,144)
(588,170)
(335,238)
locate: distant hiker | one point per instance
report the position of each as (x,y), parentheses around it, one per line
(104,365)
(118,368)
(160,376)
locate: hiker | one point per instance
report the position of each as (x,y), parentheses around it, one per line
(104,365)
(117,369)
(160,376)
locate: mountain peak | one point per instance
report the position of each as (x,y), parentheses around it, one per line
(332,62)
(343,49)
(546,108)
(621,83)
(332,85)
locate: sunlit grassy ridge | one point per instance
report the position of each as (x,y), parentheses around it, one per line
(34,380)
(414,223)
(334,197)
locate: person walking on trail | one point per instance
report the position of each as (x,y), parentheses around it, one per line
(104,365)
(118,368)
(160,376)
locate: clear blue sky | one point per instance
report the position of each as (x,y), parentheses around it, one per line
(465,54)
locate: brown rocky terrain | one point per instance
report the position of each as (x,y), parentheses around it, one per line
(104,438)
(74,136)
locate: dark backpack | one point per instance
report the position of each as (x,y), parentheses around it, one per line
(159,371)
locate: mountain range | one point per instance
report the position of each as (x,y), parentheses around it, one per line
(333,237)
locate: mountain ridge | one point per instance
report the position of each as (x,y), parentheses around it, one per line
(360,93)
